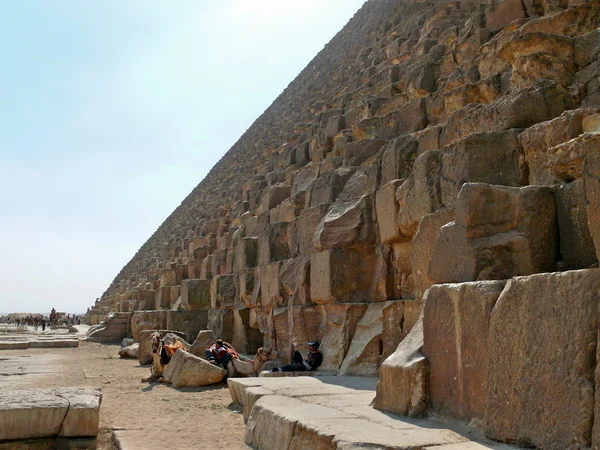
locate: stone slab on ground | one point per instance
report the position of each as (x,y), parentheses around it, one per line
(334,412)
(14,344)
(36,413)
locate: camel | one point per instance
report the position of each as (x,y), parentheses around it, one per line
(162,352)
(264,359)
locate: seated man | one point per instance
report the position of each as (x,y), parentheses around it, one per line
(221,353)
(314,360)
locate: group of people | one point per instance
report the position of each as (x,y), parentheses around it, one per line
(221,352)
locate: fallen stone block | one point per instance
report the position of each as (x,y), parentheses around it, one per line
(36,413)
(540,322)
(114,327)
(403,378)
(203,341)
(187,370)
(131,351)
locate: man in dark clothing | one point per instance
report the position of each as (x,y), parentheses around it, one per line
(312,362)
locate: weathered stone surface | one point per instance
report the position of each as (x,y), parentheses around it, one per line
(340,325)
(145,347)
(377,334)
(456,322)
(592,196)
(303,229)
(220,321)
(423,246)
(188,322)
(273,243)
(271,290)
(403,378)
(187,370)
(294,274)
(494,158)
(499,232)
(356,153)
(275,195)
(342,275)
(576,244)
(131,351)
(195,294)
(327,187)
(203,341)
(421,193)
(222,291)
(147,320)
(114,327)
(35,413)
(542,350)
(387,212)
(347,223)
(398,157)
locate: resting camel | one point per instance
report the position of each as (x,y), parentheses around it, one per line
(264,359)
(162,352)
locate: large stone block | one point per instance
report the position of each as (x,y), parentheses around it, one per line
(37,413)
(494,158)
(294,275)
(307,324)
(377,334)
(347,223)
(271,290)
(592,196)
(147,320)
(246,339)
(303,229)
(195,294)
(356,153)
(456,322)
(542,359)
(203,341)
(421,193)
(403,378)
(221,322)
(187,370)
(326,188)
(386,207)
(398,158)
(576,244)
(246,254)
(275,195)
(340,324)
(423,245)
(222,291)
(189,322)
(339,275)
(499,232)
(273,243)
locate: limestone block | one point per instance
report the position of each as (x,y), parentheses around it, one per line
(499,232)
(246,339)
(187,370)
(326,188)
(147,320)
(294,275)
(147,299)
(219,262)
(273,243)
(340,275)
(275,195)
(188,322)
(163,297)
(398,157)
(131,351)
(420,194)
(347,223)
(403,382)
(220,321)
(244,286)
(456,322)
(340,324)
(282,333)
(565,161)
(307,324)
(266,326)
(539,322)
(195,294)
(222,291)
(145,347)
(36,413)
(203,341)
(387,212)
(304,178)
(206,272)
(423,245)
(494,158)
(539,139)
(356,153)
(380,325)
(592,196)
(409,118)
(272,293)
(168,278)
(114,327)
(300,238)
(576,243)
(334,126)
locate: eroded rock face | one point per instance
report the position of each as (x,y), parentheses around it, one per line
(187,370)
(592,196)
(543,336)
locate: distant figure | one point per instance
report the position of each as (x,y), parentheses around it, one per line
(312,362)
(43,323)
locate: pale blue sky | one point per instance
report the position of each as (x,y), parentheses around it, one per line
(111,111)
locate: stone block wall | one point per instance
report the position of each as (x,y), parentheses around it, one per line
(430,142)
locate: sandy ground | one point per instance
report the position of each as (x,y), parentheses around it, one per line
(151,415)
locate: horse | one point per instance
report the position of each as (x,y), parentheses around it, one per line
(265,359)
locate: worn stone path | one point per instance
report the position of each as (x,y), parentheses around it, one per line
(334,412)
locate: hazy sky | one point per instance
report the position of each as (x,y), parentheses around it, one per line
(111,111)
